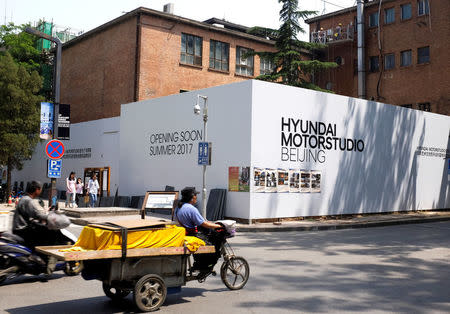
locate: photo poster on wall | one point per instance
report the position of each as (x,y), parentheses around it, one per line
(233,179)
(305,181)
(271,180)
(259,180)
(294,181)
(316,180)
(283,181)
(244,179)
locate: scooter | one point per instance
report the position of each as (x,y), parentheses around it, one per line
(17,259)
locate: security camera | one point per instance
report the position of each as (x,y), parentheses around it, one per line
(197,109)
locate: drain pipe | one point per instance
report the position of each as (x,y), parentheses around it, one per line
(361,57)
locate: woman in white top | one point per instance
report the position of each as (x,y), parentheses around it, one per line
(93,190)
(70,190)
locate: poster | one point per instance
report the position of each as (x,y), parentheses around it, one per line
(283,181)
(259,180)
(294,181)
(316,180)
(233,179)
(271,180)
(46,126)
(305,181)
(244,179)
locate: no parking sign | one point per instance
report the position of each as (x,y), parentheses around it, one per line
(54,149)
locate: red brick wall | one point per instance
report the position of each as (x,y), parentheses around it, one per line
(97,73)
(160,71)
(402,85)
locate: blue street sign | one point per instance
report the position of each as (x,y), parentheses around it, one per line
(54,168)
(203,154)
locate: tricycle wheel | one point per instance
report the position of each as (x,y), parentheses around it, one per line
(235,272)
(150,293)
(73,268)
(114,293)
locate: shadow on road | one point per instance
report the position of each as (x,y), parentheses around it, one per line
(393,269)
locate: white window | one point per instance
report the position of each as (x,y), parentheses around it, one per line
(389,61)
(244,66)
(265,66)
(389,16)
(405,58)
(423,7)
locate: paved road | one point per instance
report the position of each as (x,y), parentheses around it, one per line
(378,270)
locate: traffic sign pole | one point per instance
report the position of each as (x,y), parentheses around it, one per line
(54,150)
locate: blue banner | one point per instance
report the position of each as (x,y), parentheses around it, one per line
(47,116)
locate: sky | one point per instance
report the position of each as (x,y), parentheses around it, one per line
(86,15)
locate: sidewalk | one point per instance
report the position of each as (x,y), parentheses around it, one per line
(308,224)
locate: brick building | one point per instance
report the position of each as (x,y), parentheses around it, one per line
(406,52)
(147,53)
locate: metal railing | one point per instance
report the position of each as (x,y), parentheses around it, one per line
(333,35)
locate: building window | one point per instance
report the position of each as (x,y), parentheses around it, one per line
(423,55)
(244,66)
(374,64)
(406,11)
(219,55)
(405,58)
(407,106)
(373,19)
(423,7)
(389,16)
(191,49)
(389,61)
(266,66)
(425,106)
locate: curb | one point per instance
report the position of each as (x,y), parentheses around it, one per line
(342,226)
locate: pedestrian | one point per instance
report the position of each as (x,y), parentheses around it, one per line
(93,190)
(70,190)
(79,191)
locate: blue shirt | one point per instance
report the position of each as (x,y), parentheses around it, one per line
(189,216)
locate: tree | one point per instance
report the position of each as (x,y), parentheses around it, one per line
(19,113)
(289,66)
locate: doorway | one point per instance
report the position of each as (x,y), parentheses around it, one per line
(103,177)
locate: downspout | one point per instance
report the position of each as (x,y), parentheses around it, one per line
(361,57)
(137,59)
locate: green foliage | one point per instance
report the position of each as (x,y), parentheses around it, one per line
(22,47)
(19,112)
(290,68)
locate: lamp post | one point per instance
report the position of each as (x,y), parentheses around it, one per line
(56,88)
(197,111)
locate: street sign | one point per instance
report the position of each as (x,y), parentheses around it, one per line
(54,149)
(204,154)
(54,168)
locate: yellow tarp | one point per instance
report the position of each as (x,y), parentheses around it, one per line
(100,239)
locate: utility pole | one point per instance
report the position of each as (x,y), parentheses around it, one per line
(56,91)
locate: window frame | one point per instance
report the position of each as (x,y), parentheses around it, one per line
(386,15)
(386,63)
(243,65)
(270,66)
(424,106)
(425,7)
(402,18)
(409,106)
(376,21)
(419,56)
(223,45)
(410,58)
(186,54)
(371,68)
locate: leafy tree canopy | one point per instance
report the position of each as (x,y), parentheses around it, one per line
(290,66)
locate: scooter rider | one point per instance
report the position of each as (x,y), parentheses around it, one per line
(28,219)
(195,225)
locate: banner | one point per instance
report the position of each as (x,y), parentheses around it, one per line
(47,115)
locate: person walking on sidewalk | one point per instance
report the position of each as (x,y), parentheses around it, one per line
(93,190)
(79,191)
(70,190)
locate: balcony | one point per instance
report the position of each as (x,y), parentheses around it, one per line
(338,34)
